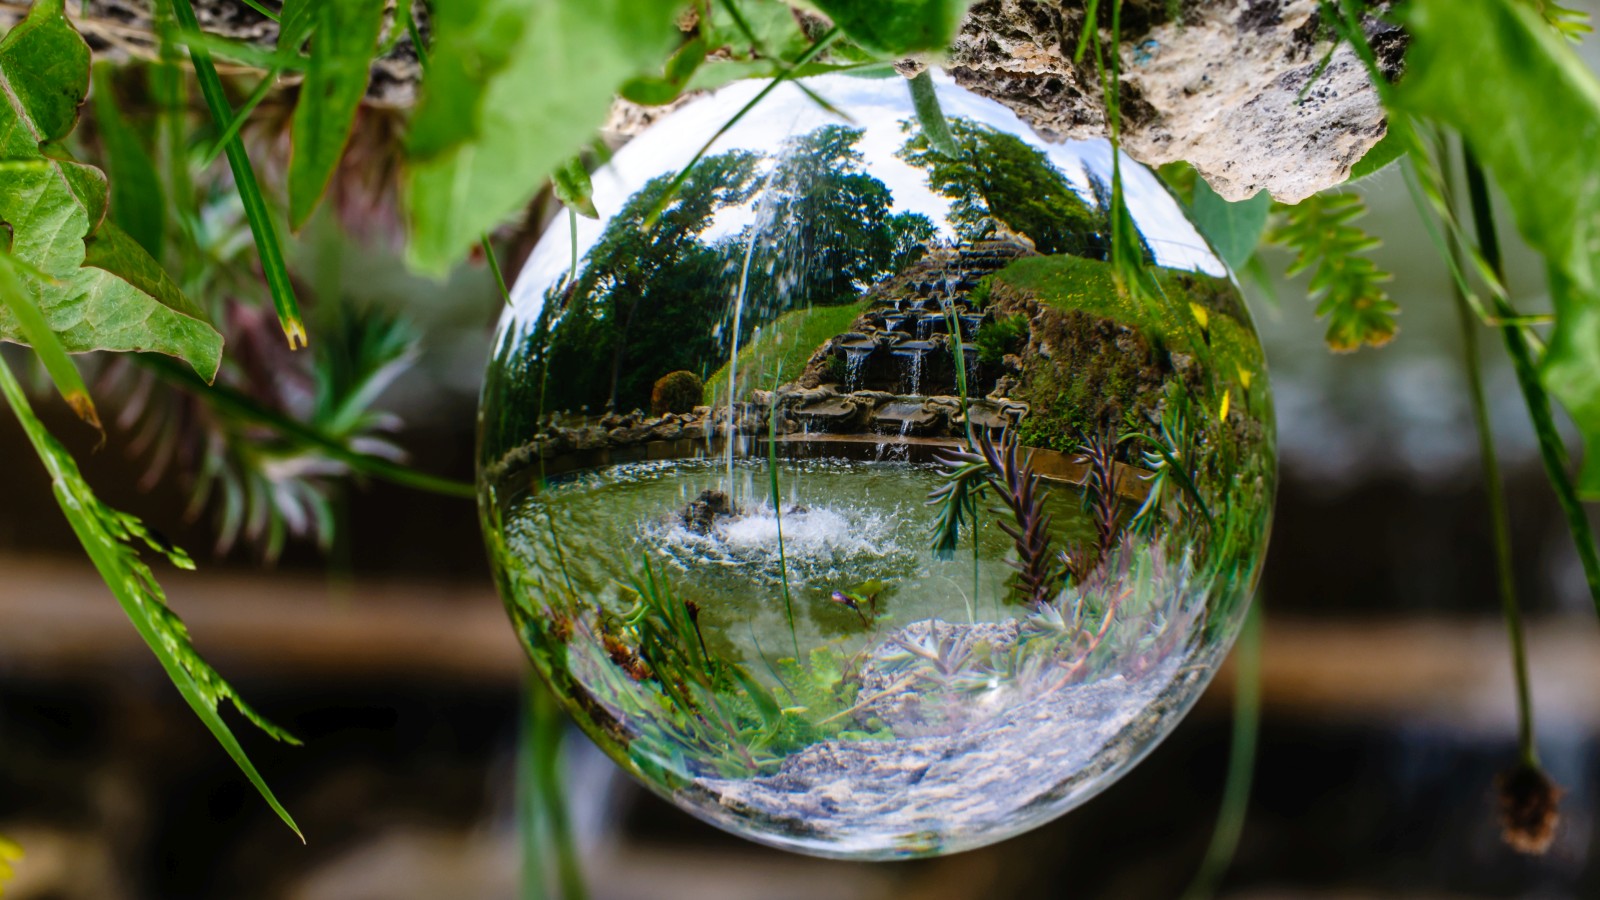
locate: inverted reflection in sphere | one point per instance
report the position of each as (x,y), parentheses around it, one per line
(865,504)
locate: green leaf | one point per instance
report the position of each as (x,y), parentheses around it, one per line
(573,187)
(346,38)
(502,106)
(1477,65)
(896,27)
(1232,229)
(98,296)
(137,201)
(1390,148)
(244,178)
(112,540)
(931,117)
(658,90)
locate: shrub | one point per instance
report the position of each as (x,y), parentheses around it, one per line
(1000,337)
(676,392)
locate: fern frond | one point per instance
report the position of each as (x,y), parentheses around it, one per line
(1345,283)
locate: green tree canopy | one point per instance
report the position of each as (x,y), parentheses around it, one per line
(827,230)
(998,177)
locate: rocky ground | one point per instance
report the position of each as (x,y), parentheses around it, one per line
(1007,762)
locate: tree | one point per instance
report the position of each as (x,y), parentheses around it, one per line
(647,300)
(998,177)
(825,226)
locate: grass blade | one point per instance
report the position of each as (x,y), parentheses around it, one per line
(244,176)
(14,295)
(111,538)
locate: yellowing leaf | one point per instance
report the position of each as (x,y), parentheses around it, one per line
(1200,315)
(1222,411)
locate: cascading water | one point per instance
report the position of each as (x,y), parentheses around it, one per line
(818,611)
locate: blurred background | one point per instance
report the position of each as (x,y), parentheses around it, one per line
(1387,701)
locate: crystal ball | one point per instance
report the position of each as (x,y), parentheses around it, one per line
(855,488)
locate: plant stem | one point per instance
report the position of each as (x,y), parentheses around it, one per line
(777,511)
(494,266)
(542,801)
(246,408)
(667,196)
(1493,483)
(1551,450)
(926,102)
(1241,760)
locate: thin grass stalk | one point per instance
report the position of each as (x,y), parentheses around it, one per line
(263,88)
(1551,450)
(547,839)
(494,266)
(1494,489)
(777,512)
(1241,761)
(953,327)
(244,177)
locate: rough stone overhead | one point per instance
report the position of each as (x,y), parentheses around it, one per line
(1215,82)
(1218,85)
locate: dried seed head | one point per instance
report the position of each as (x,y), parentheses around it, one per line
(1529,811)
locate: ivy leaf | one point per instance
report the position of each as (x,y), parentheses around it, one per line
(103,292)
(1345,284)
(896,27)
(1477,64)
(112,540)
(504,105)
(342,48)
(1232,229)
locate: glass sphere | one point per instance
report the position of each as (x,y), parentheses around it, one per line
(858,492)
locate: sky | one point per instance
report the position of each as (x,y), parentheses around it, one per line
(877,105)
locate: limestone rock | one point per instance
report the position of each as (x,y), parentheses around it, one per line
(1219,85)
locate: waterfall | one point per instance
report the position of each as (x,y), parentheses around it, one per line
(855,360)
